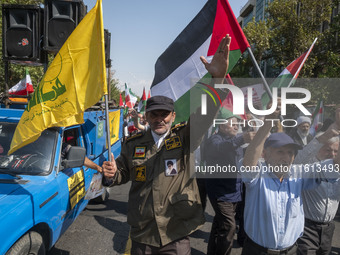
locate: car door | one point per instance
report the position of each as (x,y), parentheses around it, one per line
(73,182)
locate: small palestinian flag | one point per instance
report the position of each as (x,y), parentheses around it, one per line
(289,75)
(142,103)
(317,118)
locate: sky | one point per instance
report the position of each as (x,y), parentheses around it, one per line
(141,30)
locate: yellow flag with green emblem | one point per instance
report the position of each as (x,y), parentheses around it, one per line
(75,80)
(114,118)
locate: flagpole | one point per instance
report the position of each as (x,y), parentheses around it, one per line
(26,81)
(302,63)
(260,72)
(266,86)
(107,122)
(6,83)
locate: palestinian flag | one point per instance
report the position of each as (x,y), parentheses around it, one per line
(142,103)
(180,63)
(149,95)
(289,75)
(130,98)
(317,117)
(23,87)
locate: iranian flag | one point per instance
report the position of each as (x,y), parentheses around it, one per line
(289,75)
(142,103)
(180,63)
(130,98)
(317,117)
(23,87)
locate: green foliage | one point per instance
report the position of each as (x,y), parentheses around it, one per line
(289,30)
(114,88)
(260,44)
(295,25)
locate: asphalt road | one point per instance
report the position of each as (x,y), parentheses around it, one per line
(102,229)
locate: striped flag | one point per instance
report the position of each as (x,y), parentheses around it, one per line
(289,75)
(121,103)
(317,117)
(142,103)
(130,98)
(23,87)
(180,63)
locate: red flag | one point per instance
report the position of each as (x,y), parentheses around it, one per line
(149,94)
(226,23)
(317,117)
(121,104)
(228,102)
(144,95)
(289,75)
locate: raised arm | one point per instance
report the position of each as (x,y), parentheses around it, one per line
(219,64)
(136,122)
(217,68)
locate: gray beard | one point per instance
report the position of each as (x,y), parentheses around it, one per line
(302,134)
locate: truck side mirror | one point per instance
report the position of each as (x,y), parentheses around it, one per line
(75,157)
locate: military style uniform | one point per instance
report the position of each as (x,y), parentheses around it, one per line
(161,208)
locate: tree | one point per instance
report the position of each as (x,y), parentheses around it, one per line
(295,24)
(260,46)
(17,72)
(114,88)
(289,30)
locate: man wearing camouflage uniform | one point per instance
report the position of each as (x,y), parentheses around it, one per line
(163,210)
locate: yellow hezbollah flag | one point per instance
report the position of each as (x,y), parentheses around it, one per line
(114,118)
(75,80)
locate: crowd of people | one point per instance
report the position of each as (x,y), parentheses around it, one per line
(282,202)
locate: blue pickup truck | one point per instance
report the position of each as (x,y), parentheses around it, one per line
(42,191)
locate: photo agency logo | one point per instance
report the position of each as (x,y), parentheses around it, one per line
(302,96)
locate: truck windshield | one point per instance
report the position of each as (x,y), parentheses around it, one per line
(32,159)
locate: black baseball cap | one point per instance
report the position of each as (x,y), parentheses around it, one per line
(159,103)
(280,139)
